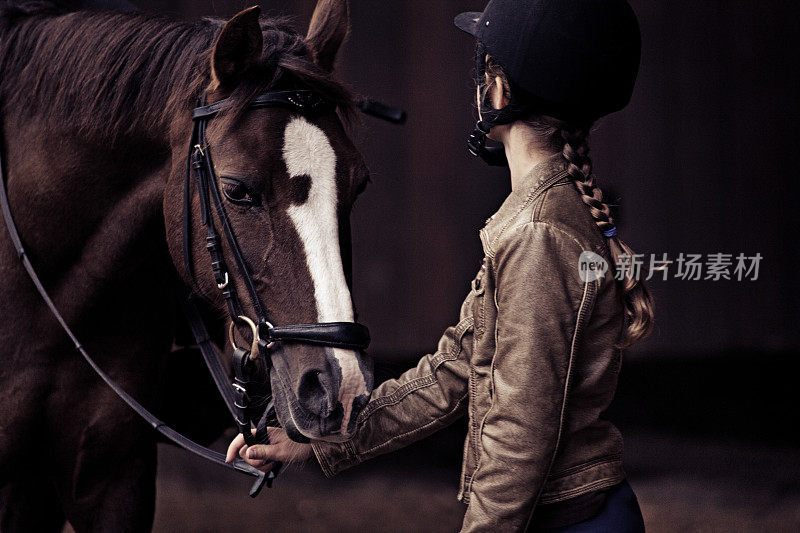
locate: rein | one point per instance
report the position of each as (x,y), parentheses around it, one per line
(349,335)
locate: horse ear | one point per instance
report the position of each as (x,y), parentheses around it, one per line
(328,29)
(238,47)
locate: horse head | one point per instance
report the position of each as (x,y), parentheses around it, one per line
(288,180)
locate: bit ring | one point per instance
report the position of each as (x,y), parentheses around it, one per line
(232,336)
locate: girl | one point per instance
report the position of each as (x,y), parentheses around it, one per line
(535,355)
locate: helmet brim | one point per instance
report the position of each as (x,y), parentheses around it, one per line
(468,22)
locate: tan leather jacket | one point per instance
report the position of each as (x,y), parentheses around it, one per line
(531,360)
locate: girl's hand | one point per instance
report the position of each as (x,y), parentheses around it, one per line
(262,456)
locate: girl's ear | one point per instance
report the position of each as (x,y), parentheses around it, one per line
(328,29)
(497,93)
(238,47)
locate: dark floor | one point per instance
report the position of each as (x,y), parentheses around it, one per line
(711,445)
(684,485)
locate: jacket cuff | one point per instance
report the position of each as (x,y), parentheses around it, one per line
(334,457)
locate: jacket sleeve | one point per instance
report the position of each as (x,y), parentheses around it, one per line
(401,411)
(539,296)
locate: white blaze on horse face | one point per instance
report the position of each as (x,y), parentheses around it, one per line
(307,151)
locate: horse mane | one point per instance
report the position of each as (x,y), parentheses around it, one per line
(111,74)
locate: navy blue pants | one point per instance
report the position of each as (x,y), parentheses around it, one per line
(620,514)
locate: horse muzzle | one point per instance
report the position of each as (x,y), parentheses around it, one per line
(319,391)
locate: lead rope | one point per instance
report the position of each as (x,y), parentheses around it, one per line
(238,465)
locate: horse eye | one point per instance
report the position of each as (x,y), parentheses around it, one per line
(236,192)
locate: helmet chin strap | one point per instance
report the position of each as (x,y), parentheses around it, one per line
(494,156)
(488,117)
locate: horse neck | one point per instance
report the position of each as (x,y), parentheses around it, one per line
(88,141)
(90,218)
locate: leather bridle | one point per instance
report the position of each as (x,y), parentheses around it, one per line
(350,335)
(248,386)
(237,396)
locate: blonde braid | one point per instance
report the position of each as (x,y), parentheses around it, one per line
(636,298)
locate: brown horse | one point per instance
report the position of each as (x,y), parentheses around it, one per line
(96,119)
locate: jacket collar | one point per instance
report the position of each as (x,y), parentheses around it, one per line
(541,177)
(553,165)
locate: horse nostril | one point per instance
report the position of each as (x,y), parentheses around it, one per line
(315,393)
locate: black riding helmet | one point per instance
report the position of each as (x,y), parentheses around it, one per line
(574,60)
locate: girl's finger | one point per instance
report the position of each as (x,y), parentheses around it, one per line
(243,451)
(262,452)
(233,448)
(263,465)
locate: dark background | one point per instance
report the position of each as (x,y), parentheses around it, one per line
(704,160)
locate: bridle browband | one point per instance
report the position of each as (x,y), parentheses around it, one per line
(348,335)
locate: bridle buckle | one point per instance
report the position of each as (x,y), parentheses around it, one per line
(265,334)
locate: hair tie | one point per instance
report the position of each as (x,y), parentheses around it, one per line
(611,232)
